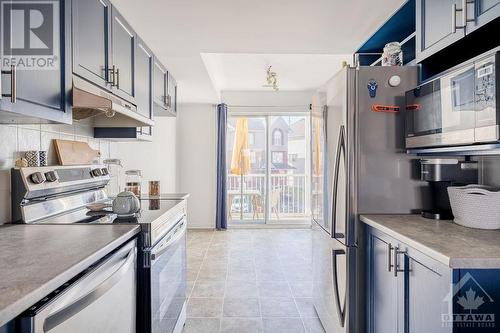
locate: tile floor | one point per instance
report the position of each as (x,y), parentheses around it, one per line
(246,281)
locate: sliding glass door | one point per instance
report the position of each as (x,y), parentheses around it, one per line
(268,169)
(247,169)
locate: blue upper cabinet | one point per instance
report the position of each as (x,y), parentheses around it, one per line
(144,79)
(171,94)
(441,23)
(480,12)
(160,87)
(437,26)
(165,91)
(91,44)
(123,40)
(104,47)
(40,91)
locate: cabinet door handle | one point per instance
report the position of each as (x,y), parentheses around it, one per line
(13,83)
(112,75)
(169,102)
(397,252)
(117,78)
(389,258)
(465,15)
(453,18)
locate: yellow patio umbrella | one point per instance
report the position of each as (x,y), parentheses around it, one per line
(240,161)
(317,146)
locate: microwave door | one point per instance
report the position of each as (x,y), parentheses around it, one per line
(485,100)
(456,101)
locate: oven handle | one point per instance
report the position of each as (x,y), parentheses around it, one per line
(81,303)
(170,239)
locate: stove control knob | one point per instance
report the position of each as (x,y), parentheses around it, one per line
(105,171)
(51,176)
(96,172)
(37,178)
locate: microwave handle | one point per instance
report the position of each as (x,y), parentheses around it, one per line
(81,303)
(174,237)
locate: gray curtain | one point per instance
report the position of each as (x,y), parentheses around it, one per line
(221,215)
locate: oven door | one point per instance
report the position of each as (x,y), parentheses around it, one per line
(442,112)
(168,281)
(101,299)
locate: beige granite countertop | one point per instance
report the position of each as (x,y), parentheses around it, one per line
(445,241)
(37,259)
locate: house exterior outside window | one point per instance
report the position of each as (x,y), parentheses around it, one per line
(277,137)
(278,157)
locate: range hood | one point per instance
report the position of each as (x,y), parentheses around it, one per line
(105,109)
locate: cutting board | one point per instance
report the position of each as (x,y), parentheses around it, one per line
(75,152)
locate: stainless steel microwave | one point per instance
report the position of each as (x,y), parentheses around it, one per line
(459,107)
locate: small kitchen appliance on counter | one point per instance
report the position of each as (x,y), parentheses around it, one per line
(458,107)
(441,174)
(61,195)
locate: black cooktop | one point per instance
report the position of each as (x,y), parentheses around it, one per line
(151,210)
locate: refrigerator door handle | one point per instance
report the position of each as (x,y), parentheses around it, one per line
(340,149)
(340,307)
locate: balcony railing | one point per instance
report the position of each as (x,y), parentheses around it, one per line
(288,196)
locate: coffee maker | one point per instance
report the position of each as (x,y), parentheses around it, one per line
(441,173)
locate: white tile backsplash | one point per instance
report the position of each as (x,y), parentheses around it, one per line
(16,139)
(8,143)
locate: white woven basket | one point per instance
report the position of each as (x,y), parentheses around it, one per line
(476,206)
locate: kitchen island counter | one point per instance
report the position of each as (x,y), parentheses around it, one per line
(37,259)
(449,243)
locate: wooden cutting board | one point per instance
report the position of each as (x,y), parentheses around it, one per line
(75,152)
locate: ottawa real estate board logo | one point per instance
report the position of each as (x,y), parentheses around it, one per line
(30,34)
(469,306)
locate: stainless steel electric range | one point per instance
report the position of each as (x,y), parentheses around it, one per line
(59,195)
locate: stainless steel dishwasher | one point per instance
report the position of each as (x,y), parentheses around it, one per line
(100,299)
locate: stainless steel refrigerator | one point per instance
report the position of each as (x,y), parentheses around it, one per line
(359,166)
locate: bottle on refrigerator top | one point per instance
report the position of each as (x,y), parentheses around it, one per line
(393,55)
(133,179)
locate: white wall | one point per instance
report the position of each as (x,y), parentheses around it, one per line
(196,161)
(16,139)
(156,159)
(289,100)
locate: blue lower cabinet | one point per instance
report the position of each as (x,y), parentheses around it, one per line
(407,290)
(476,300)
(427,286)
(382,285)
(410,292)
(38,88)
(8,328)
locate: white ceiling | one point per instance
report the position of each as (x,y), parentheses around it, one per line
(178,31)
(236,71)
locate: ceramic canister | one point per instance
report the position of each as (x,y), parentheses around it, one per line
(42,157)
(33,158)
